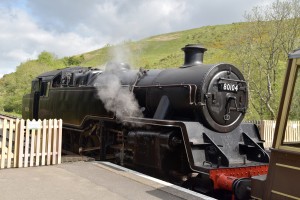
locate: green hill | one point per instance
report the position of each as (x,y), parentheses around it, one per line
(163,51)
(160,51)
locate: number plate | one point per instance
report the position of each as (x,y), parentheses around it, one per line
(230,87)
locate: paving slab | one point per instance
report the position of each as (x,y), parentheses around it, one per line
(84,181)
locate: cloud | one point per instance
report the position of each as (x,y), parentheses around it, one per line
(119,20)
(22,39)
(135,19)
(28,27)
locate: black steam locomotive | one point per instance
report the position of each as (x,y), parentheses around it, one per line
(182,124)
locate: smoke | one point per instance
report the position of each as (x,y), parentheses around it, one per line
(116,98)
(121,53)
(127,52)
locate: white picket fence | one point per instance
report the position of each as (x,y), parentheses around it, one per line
(30,143)
(267,129)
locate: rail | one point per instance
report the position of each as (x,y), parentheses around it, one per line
(25,143)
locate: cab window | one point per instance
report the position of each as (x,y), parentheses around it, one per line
(56,81)
(34,86)
(44,89)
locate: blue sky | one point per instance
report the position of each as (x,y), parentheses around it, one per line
(69,27)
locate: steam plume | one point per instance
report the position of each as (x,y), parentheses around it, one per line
(116,98)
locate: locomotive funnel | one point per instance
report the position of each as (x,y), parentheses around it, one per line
(193,54)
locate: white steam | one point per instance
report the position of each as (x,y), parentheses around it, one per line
(121,53)
(116,98)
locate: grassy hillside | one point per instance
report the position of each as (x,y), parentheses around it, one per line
(161,51)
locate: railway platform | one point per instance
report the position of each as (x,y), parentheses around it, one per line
(84,181)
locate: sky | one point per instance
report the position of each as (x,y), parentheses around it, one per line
(71,27)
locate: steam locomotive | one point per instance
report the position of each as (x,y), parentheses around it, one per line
(181,124)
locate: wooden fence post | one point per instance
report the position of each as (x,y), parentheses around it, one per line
(32,145)
(3,144)
(261,130)
(50,122)
(38,144)
(59,141)
(44,141)
(54,142)
(21,143)
(26,144)
(9,149)
(17,142)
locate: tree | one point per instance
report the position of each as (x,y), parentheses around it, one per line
(73,60)
(46,57)
(263,46)
(13,86)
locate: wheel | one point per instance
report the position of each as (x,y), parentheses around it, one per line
(89,143)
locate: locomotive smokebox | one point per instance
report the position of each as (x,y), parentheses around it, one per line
(193,54)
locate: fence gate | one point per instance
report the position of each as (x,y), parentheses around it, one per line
(30,143)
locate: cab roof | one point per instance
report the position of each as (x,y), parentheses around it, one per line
(295,54)
(56,72)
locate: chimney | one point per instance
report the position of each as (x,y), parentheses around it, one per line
(193,54)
